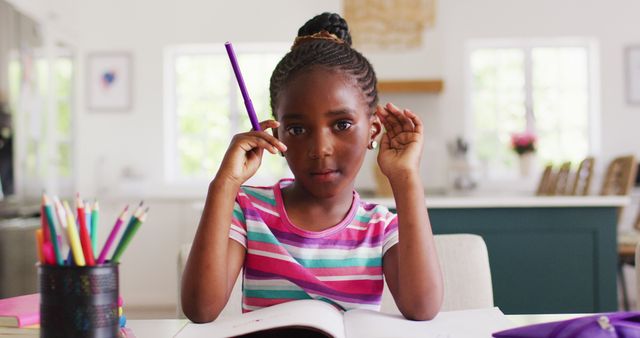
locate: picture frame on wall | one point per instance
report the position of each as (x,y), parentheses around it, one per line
(632,69)
(109,81)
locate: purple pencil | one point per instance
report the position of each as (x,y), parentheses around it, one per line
(112,236)
(243,89)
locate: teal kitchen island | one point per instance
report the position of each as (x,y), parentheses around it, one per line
(547,254)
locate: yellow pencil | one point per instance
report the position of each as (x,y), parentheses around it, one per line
(74,240)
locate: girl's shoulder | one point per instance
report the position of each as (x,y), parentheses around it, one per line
(376,211)
(262,193)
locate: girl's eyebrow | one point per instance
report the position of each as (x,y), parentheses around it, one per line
(300,116)
(338,112)
(292,116)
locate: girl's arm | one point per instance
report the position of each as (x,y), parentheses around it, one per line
(215,260)
(411,267)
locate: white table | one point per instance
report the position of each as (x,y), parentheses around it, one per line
(156,328)
(167,328)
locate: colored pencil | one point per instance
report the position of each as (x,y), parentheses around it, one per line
(126,238)
(52,228)
(112,236)
(243,88)
(133,219)
(85,240)
(87,216)
(94,227)
(47,252)
(74,240)
(43,225)
(61,216)
(39,243)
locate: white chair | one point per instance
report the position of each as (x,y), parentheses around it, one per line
(464,261)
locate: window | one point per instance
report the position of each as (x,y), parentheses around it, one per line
(42,106)
(204,108)
(540,87)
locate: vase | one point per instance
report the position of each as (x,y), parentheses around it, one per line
(526,161)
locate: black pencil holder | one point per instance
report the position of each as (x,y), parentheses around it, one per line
(78,301)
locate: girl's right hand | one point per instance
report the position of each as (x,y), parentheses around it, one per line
(244,155)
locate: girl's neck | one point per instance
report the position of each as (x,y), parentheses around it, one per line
(301,206)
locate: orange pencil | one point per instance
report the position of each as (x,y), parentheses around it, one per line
(85,240)
(39,243)
(43,223)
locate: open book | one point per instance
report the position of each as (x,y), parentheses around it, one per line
(319,319)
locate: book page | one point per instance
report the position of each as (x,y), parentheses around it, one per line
(301,313)
(458,324)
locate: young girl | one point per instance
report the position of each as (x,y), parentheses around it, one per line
(313,237)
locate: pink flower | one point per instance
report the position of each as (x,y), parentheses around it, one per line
(523,142)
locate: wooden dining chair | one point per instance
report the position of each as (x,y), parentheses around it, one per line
(546,181)
(618,180)
(583,176)
(620,176)
(562,180)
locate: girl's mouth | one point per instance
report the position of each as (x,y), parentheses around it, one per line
(324,175)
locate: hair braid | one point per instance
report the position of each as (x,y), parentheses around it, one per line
(325,53)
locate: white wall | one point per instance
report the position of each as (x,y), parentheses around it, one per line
(110,143)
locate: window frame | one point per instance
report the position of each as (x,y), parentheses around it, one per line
(527,45)
(171,134)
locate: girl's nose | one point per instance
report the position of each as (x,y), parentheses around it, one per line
(320,146)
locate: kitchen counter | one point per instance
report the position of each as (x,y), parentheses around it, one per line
(516,201)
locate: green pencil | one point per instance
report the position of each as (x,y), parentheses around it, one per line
(94,228)
(127,236)
(134,217)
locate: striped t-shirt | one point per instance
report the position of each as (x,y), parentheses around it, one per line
(341,265)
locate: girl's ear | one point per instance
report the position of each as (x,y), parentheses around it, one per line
(376,128)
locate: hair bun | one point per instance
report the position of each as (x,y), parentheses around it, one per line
(330,22)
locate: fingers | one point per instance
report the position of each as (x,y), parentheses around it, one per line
(269,124)
(388,121)
(415,120)
(397,121)
(261,139)
(404,122)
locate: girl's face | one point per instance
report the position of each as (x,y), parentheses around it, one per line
(326,125)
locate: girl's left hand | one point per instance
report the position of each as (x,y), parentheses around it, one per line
(401,144)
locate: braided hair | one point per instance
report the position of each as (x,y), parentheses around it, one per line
(335,54)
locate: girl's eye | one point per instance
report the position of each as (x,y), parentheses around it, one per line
(295,130)
(343,125)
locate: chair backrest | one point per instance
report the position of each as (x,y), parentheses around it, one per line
(620,176)
(546,181)
(562,180)
(464,261)
(582,179)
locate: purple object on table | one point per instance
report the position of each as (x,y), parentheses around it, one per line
(243,88)
(605,325)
